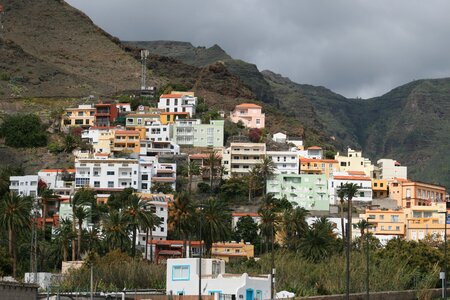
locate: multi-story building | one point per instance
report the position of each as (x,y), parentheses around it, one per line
(193,133)
(389,169)
(240,158)
(313,152)
(354,161)
(126,141)
(422,221)
(386,224)
(24,185)
(249,114)
(83,116)
(158,204)
(318,166)
(380,188)
(141,118)
(61,181)
(105,114)
(308,191)
(156,131)
(233,250)
(171,117)
(158,148)
(123,107)
(286,162)
(109,174)
(178,103)
(339,179)
(101,138)
(413,193)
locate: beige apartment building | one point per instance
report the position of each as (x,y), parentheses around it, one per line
(240,158)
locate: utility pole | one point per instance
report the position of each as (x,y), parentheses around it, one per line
(33,244)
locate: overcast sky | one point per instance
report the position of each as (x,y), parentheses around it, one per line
(356,48)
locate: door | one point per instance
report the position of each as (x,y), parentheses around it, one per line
(249,294)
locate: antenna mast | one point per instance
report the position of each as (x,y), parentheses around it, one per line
(144,55)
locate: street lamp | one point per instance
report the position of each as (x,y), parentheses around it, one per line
(444,279)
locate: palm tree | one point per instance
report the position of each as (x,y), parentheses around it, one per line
(212,162)
(152,222)
(266,170)
(193,169)
(139,217)
(115,227)
(215,217)
(318,242)
(64,234)
(15,215)
(363,226)
(252,180)
(181,215)
(82,197)
(351,189)
(81,214)
(341,193)
(294,226)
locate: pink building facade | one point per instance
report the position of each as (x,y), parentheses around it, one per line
(250,114)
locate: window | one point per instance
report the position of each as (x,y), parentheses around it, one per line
(79,122)
(258,121)
(381,184)
(110,173)
(375,184)
(144,176)
(394,218)
(381,217)
(397,228)
(110,184)
(361,194)
(96,183)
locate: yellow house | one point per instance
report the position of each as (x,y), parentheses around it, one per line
(83,115)
(412,193)
(170,117)
(227,251)
(318,166)
(126,140)
(422,221)
(354,161)
(380,188)
(386,222)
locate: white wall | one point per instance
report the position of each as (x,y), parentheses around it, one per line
(24,185)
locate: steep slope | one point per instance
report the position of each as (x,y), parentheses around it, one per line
(55,35)
(202,57)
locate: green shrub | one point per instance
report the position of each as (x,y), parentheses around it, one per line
(203,187)
(4,76)
(55,148)
(23,131)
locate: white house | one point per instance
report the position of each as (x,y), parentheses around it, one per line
(286,162)
(24,185)
(364,183)
(279,137)
(156,131)
(390,169)
(158,148)
(107,173)
(61,181)
(183,279)
(178,103)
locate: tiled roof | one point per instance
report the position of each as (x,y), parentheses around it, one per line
(306,160)
(341,177)
(248,105)
(171,96)
(356,173)
(315,148)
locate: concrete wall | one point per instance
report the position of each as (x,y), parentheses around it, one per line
(18,291)
(391,295)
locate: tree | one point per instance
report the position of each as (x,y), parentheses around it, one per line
(341,193)
(115,228)
(350,191)
(46,196)
(266,170)
(193,169)
(235,188)
(252,178)
(215,217)
(139,217)
(181,215)
(246,230)
(162,188)
(23,131)
(319,240)
(213,162)
(153,221)
(363,226)
(81,213)
(14,217)
(64,234)
(294,226)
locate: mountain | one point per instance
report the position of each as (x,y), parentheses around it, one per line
(409,123)
(202,56)
(49,48)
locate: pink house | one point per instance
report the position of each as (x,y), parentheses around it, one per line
(250,114)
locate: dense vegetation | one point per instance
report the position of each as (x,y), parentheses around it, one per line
(23,131)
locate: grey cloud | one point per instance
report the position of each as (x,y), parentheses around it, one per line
(356,48)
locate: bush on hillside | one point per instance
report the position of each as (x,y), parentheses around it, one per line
(23,131)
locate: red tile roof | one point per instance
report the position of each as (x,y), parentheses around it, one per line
(356,173)
(174,113)
(306,160)
(315,148)
(238,214)
(248,105)
(171,96)
(342,177)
